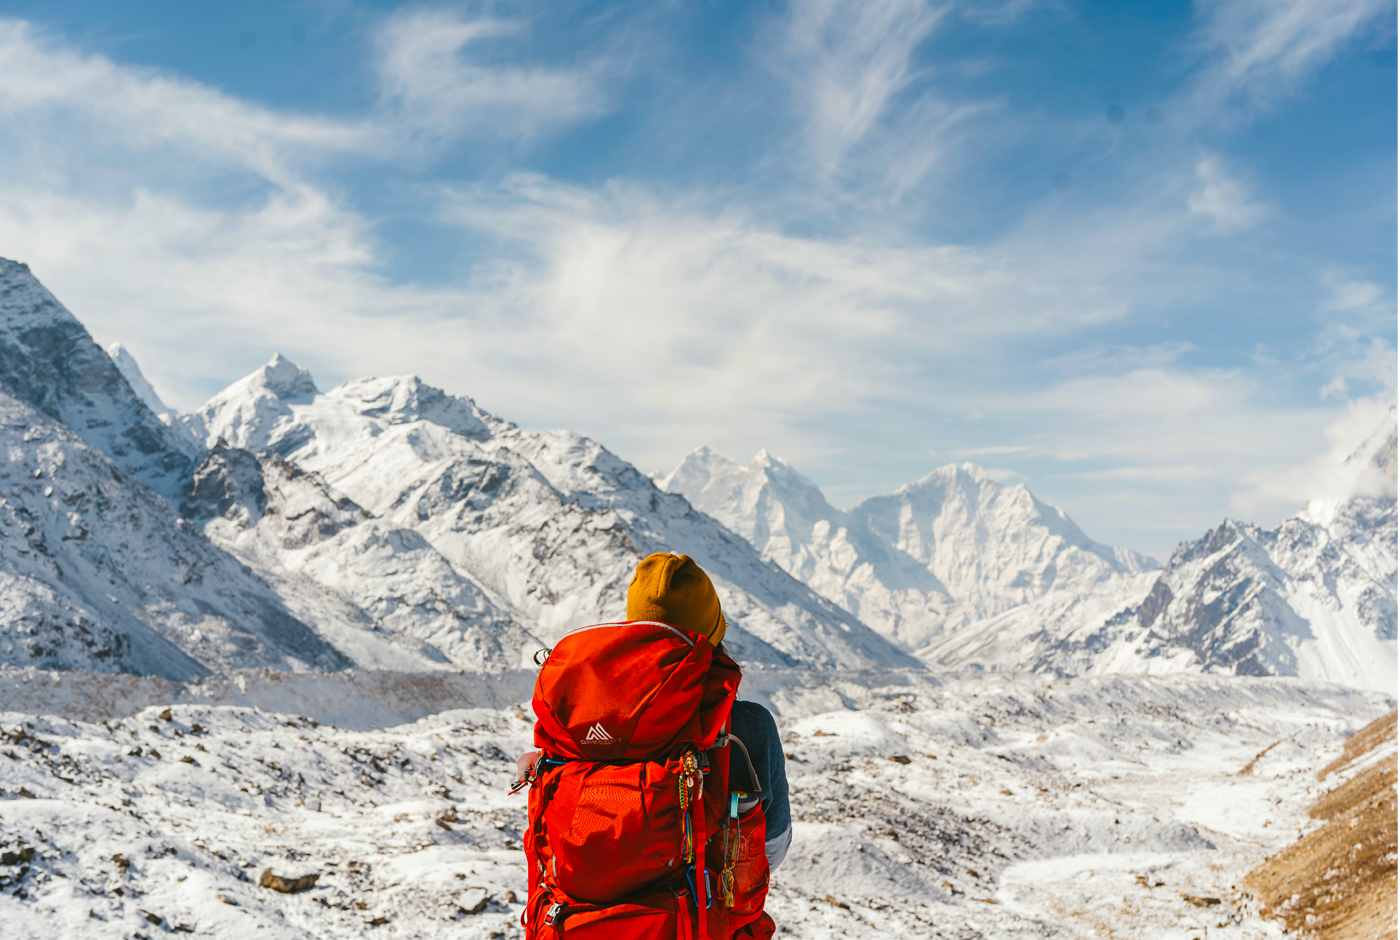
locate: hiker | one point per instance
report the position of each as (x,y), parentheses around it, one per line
(658,803)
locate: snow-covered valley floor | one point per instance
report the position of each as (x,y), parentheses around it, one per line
(993,808)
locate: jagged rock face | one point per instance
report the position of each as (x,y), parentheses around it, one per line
(48,361)
(1313,597)
(376,589)
(937,554)
(548,527)
(97,572)
(228,484)
(1222,598)
(297,508)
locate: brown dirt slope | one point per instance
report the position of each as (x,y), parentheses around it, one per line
(1367,739)
(1338,882)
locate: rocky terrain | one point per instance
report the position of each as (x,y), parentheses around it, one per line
(1338,881)
(994,808)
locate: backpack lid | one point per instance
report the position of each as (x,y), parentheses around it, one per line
(632,691)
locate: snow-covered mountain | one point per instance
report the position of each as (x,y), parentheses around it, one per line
(947,550)
(389,525)
(379,592)
(446,522)
(385,524)
(1314,597)
(97,572)
(48,361)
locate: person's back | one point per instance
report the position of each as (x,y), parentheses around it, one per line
(658,803)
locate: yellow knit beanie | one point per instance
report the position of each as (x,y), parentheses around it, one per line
(675,590)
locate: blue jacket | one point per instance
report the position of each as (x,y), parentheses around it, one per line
(752,724)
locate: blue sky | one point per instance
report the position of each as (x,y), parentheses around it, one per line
(1138,256)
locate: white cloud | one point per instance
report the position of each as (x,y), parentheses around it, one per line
(141,111)
(434,82)
(1173,423)
(626,297)
(203,295)
(1352,295)
(1169,473)
(1336,388)
(846,60)
(1223,199)
(1333,474)
(993,451)
(1261,49)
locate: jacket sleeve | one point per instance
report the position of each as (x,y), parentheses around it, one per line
(752,724)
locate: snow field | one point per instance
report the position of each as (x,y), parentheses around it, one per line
(405,826)
(999,808)
(1084,808)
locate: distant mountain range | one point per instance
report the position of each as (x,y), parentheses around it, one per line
(387,524)
(935,555)
(1314,597)
(974,575)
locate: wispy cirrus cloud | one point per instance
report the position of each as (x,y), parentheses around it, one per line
(438,79)
(1260,50)
(845,61)
(58,92)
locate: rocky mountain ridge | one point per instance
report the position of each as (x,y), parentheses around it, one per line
(541,530)
(384,524)
(49,362)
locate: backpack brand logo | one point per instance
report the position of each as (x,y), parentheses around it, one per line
(599,734)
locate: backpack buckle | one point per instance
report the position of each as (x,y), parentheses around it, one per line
(553,914)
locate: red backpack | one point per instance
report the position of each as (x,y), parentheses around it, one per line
(634,834)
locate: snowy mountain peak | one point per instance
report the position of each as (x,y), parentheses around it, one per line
(247,413)
(1314,597)
(965,472)
(25,304)
(403,398)
(285,378)
(126,364)
(1374,462)
(946,549)
(50,362)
